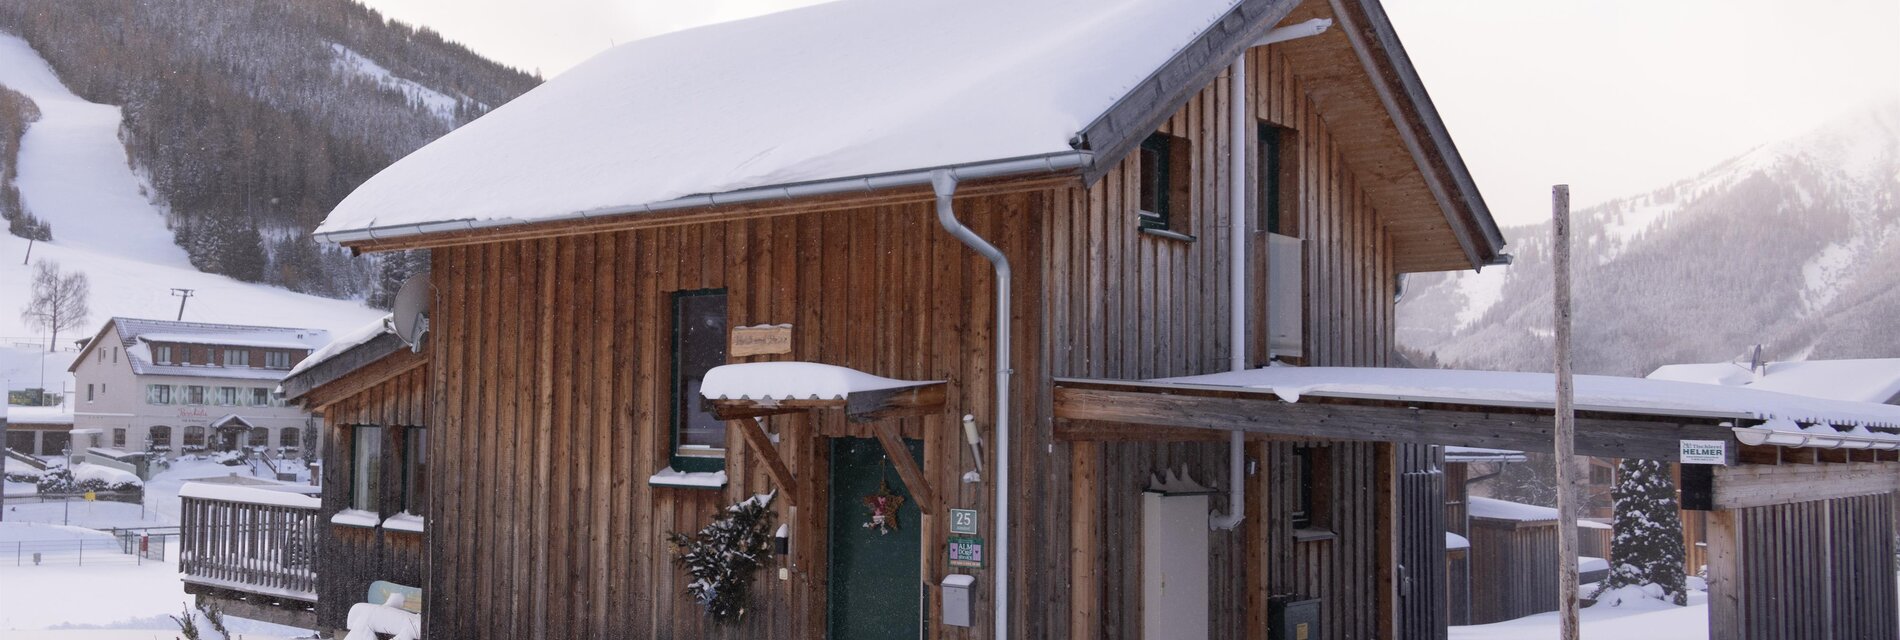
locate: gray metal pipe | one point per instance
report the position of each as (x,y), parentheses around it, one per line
(944,182)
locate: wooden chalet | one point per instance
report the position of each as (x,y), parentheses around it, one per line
(1249,185)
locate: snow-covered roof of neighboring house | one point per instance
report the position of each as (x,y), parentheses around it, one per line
(1613,394)
(137,335)
(370,343)
(343,343)
(23,415)
(861,90)
(1861,380)
(1495,509)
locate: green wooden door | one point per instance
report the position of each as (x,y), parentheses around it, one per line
(875,584)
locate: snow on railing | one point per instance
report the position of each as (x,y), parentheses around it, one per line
(249,538)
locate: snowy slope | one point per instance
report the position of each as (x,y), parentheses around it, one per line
(73,173)
(132,288)
(73,168)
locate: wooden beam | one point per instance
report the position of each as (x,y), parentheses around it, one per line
(1257,411)
(756,439)
(901,402)
(1756,486)
(907,467)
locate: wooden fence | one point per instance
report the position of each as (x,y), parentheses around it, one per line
(257,548)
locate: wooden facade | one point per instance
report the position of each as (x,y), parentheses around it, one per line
(355,556)
(1812,569)
(550,371)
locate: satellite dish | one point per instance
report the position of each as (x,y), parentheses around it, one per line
(410,317)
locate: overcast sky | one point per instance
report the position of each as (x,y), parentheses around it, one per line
(1614,97)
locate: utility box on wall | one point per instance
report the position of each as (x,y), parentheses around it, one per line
(1290,619)
(956,599)
(1174,562)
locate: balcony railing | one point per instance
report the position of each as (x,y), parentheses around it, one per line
(250,539)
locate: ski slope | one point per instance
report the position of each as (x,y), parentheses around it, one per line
(73,168)
(73,172)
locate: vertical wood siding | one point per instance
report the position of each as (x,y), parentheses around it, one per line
(1813,570)
(353,557)
(553,377)
(1513,570)
(1123,304)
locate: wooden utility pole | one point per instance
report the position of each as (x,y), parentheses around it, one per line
(1566,432)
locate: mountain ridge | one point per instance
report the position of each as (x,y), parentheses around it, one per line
(1795,245)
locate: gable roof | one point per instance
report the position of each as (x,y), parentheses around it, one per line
(1864,380)
(136,334)
(786,104)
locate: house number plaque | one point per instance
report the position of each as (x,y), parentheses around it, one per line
(963,521)
(761,340)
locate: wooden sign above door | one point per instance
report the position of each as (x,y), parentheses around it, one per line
(761,340)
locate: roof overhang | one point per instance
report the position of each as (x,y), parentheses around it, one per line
(351,371)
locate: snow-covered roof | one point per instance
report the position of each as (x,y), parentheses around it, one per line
(838,90)
(1454,541)
(1612,394)
(138,334)
(792,381)
(24,415)
(343,343)
(1495,509)
(1861,380)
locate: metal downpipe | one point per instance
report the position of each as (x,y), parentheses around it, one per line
(944,182)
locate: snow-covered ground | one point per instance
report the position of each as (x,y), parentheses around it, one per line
(1643,620)
(111,596)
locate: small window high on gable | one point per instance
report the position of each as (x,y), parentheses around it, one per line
(1166,171)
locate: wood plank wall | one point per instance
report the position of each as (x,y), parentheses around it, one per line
(552,363)
(1513,569)
(1817,570)
(353,557)
(1123,304)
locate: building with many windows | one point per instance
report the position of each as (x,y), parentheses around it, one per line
(181,387)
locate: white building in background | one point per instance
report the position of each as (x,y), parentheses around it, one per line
(181,387)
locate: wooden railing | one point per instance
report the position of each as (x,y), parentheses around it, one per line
(256,547)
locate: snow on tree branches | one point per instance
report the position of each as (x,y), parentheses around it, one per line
(722,557)
(1646,549)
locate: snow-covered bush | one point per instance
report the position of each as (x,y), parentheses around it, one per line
(88,477)
(228,458)
(722,557)
(1646,549)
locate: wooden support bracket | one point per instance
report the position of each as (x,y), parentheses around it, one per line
(755,438)
(907,468)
